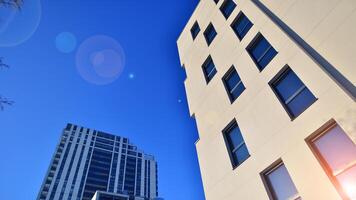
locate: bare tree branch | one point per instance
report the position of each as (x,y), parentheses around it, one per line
(2,64)
(5,101)
(16,4)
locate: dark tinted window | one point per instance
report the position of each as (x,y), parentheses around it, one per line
(98,174)
(293,94)
(68,127)
(227,8)
(280,184)
(235,144)
(209,69)
(241,25)
(106,135)
(261,52)
(210,34)
(233,84)
(195,30)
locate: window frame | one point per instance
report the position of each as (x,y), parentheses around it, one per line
(267,184)
(230,151)
(253,44)
(210,26)
(324,129)
(206,75)
(195,25)
(237,18)
(224,80)
(223,5)
(277,78)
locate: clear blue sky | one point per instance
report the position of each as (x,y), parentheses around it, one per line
(149,107)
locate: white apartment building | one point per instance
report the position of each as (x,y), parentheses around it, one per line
(271,85)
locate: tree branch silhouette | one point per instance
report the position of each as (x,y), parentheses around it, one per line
(13,4)
(3,100)
(16,4)
(2,64)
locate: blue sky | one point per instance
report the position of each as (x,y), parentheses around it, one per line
(144,100)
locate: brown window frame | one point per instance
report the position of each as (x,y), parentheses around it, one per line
(266,182)
(324,129)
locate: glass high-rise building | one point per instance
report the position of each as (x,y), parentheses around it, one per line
(87,161)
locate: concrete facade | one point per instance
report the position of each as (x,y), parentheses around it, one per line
(316,39)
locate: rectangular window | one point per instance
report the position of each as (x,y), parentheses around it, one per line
(227,8)
(68,127)
(279,184)
(195,30)
(210,34)
(261,51)
(233,84)
(241,25)
(209,69)
(337,154)
(235,144)
(292,93)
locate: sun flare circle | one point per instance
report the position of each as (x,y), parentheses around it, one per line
(100,60)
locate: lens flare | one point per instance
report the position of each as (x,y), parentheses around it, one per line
(17,26)
(350,190)
(66,42)
(100,60)
(131,76)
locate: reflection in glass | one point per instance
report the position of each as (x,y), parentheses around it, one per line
(339,153)
(281,184)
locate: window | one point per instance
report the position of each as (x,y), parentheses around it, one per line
(235,144)
(209,69)
(279,184)
(241,25)
(227,8)
(292,93)
(210,34)
(233,84)
(216,1)
(195,30)
(68,127)
(337,154)
(261,52)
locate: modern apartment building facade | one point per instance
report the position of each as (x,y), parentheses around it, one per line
(271,85)
(87,161)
